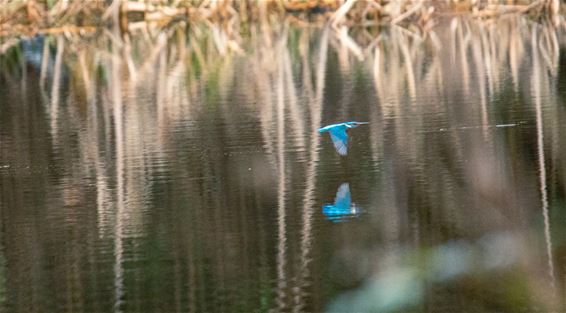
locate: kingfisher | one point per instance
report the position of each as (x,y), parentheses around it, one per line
(339,135)
(343,208)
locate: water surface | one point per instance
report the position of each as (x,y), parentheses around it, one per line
(182,171)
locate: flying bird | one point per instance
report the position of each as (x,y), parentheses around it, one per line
(339,135)
(343,207)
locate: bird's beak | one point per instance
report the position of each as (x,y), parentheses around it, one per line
(363,123)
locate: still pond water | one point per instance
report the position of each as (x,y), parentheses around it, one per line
(182,171)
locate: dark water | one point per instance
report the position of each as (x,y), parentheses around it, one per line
(182,171)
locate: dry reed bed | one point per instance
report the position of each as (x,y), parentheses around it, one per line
(36,16)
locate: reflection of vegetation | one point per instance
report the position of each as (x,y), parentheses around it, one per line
(186,165)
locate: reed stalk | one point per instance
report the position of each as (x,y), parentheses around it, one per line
(40,16)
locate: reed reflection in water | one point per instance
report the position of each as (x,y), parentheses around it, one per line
(183,171)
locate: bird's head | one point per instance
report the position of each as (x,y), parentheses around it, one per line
(355,124)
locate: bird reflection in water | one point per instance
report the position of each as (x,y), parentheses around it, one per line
(343,209)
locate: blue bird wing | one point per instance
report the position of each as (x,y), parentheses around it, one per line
(323,129)
(340,139)
(343,198)
(329,127)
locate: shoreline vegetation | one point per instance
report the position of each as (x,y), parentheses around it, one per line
(31,17)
